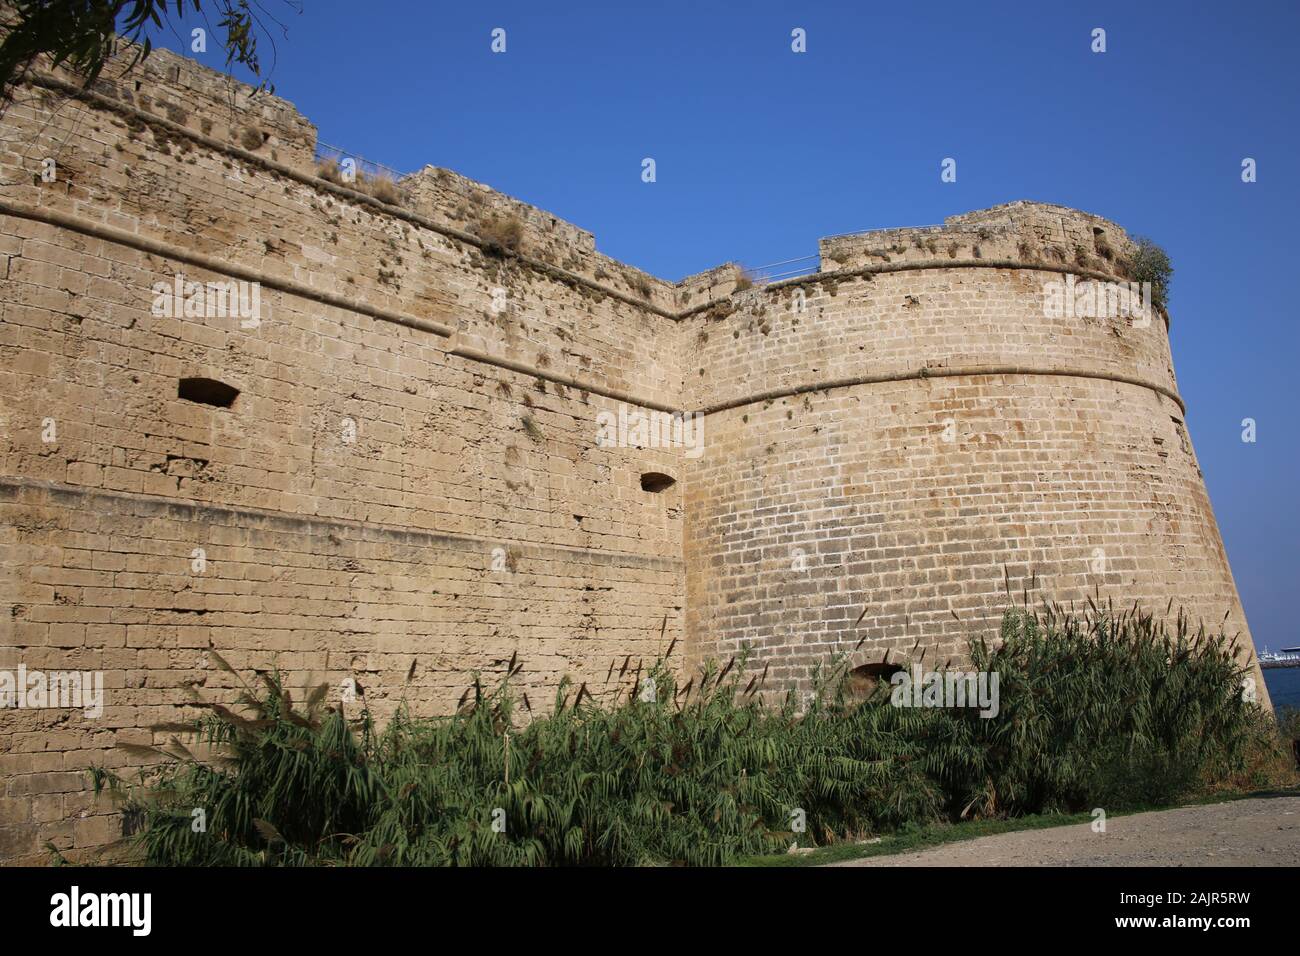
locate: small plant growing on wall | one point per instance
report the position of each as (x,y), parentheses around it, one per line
(638,284)
(500,234)
(381,187)
(531,428)
(328,170)
(1150,263)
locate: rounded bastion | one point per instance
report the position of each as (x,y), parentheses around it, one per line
(904,443)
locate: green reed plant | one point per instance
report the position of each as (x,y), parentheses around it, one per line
(1105,708)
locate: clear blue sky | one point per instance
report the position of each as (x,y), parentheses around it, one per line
(761,151)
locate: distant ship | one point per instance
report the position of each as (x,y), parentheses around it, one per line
(1287,657)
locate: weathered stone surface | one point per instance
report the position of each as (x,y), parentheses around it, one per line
(402,507)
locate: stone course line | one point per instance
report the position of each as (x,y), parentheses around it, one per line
(105,502)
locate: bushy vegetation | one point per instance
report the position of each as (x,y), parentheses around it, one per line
(1104,710)
(1150,263)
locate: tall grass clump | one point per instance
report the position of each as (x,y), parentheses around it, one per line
(1105,709)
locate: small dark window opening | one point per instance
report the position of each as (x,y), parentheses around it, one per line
(656,482)
(862,680)
(207,391)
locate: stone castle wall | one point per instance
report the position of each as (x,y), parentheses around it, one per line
(408,488)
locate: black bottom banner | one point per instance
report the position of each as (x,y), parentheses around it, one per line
(142,905)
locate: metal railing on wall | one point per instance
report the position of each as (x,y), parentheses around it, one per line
(785,269)
(368,169)
(925,227)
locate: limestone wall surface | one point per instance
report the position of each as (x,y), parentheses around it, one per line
(410,486)
(375,505)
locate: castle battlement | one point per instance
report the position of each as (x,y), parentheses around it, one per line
(1023,232)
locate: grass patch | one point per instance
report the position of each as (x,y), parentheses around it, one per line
(501,235)
(380,187)
(639,284)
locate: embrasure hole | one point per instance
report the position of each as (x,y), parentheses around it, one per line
(655,482)
(207,391)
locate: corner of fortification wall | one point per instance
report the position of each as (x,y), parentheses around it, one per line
(474,208)
(204,101)
(463,203)
(712,285)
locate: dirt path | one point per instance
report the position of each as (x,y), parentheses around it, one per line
(1263,831)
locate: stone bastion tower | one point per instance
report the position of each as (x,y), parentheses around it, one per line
(887,435)
(257,408)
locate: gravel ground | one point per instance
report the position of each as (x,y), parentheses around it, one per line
(1262,831)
